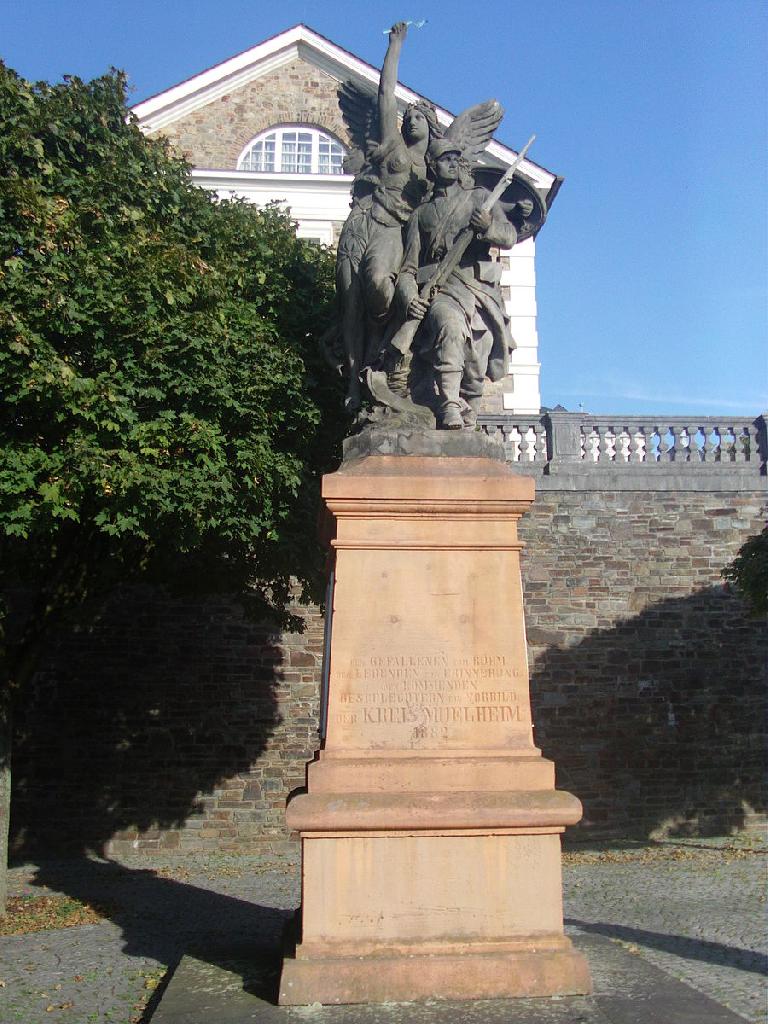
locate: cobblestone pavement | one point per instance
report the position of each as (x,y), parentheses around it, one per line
(696,910)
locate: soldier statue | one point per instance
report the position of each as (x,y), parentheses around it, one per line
(465,329)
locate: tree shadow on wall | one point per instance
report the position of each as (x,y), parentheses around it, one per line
(129,723)
(658,724)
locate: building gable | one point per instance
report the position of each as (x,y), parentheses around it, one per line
(296,92)
(292,60)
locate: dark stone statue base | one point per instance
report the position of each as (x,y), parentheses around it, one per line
(378,439)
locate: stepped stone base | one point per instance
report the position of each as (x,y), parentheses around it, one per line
(449,914)
(467,974)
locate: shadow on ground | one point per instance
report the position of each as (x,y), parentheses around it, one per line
(681,945)
(164,919)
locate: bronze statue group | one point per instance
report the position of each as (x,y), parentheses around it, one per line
(422,321)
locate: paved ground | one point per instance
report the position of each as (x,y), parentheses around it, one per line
(696,910)
(627,990)
(698,913)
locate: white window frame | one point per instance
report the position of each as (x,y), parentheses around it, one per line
(308,144)
(315,231)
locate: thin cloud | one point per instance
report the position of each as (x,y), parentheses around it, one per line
(716,404)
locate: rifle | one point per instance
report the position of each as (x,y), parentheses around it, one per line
(403,337)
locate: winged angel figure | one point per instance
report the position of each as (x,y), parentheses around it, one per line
(394,175)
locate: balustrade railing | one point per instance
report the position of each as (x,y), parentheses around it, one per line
(523,440)
(561,437)
(673,439)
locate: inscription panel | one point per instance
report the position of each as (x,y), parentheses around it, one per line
(432,697)
(429,651)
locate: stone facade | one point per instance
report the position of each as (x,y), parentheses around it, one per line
(295,93)
(180,725)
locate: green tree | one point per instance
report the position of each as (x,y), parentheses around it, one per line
(749,572)
(166,412)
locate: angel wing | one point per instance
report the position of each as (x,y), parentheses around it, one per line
(360,112)
(472,129)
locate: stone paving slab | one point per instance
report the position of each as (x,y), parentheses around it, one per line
(628,990)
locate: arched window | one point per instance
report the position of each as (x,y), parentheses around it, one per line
(293,149)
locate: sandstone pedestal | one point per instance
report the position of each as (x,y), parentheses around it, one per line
(430,828)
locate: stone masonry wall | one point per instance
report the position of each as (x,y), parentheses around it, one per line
(647,679)
(172,724)
(296,93)
(181,725)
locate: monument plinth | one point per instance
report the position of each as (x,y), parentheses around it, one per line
(430,826)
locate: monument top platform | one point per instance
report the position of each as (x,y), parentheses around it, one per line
(407,439)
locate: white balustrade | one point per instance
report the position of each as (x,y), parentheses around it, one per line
(630,441)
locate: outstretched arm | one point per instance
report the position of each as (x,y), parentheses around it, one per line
(387,81)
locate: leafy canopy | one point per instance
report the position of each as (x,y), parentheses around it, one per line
(749,572)
(165,410)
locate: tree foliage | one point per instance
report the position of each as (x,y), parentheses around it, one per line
(749,572)
(166,412)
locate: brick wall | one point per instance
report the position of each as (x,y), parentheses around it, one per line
(296,93)
(647,679)
(181,725)
(175,725)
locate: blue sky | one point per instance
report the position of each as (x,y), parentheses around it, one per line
(652,279)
